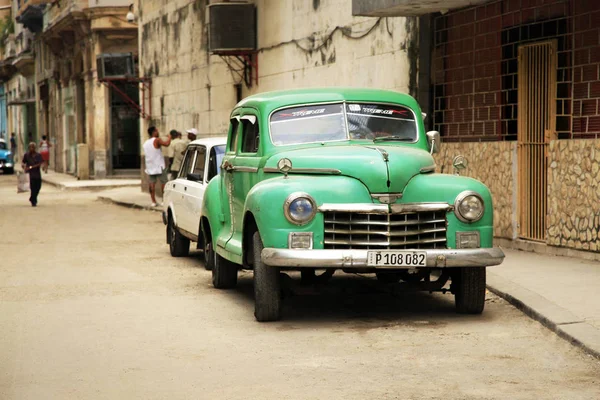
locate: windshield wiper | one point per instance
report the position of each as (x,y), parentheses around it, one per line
(393,138)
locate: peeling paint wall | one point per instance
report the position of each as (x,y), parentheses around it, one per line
(300,47)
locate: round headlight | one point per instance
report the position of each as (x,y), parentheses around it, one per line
(299,208)
(469,207)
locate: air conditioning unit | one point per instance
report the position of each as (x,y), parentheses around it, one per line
(232,27)
(115,66)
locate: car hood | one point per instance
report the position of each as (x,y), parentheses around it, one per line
(4,153)
(382,169)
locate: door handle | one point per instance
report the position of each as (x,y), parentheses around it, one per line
(185,188)
(174,186)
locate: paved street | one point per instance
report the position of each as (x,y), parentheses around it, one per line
(93,307)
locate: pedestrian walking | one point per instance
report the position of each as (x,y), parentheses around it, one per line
(32,161)
(13,145)
(45,152)
(155,161)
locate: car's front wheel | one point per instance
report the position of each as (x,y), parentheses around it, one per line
(267,286)
(178,244)
(9,171)
(469,290)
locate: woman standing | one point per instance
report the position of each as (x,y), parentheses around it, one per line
(45,152)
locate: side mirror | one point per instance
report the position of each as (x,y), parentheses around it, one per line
(194,177)
(433,138)
(459,163)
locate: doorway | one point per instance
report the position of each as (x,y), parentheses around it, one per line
(125,129)
(537,126)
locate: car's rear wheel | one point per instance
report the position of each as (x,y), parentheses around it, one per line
(178,244)
(469,290)
(224,273)
(209,253)
(267,286)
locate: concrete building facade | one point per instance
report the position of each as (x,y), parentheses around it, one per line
(53,87)
(299,44)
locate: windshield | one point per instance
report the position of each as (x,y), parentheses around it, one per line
(328,122)
(3,146)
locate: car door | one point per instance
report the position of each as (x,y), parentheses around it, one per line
(174,190)
(194,191)
(227,183)
(181,187)
(244,173)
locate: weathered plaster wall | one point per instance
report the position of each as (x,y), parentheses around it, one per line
(300,47)
(367,52)
(574,194)
(492,164)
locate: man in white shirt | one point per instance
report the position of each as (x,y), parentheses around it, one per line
(155,161)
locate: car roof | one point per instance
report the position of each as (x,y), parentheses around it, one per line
(268,101)
(211,141)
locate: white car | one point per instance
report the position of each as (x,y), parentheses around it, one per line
(184,195)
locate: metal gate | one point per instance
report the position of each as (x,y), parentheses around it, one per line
(537,126)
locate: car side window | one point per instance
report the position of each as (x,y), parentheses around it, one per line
(250,136)
(233,129)
(214,162)
(188,161)
(200,162)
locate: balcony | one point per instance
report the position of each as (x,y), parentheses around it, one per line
(405,8)
(69,10)
(30,13)
(7,69)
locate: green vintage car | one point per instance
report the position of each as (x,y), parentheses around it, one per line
(342,179)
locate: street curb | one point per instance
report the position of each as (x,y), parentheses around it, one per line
(128,204)
(559,320)
(92,188)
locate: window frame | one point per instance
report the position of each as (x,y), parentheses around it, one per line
(233,135)
(193,169)
(181,174)
(217,165)
(246,120)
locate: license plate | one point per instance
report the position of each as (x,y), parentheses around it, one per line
(397,259)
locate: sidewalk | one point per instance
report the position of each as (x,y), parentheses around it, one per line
(68,182)
(131,197)
(562,293)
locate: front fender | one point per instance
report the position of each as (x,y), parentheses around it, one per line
(445,188)
(265,202)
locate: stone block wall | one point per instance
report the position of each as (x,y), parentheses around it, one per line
(573,194)
(492,164)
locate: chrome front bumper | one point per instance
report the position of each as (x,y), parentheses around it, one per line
(348,259)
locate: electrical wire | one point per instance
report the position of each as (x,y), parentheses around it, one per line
(346,32)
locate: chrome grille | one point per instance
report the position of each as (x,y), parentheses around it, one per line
(361,231)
